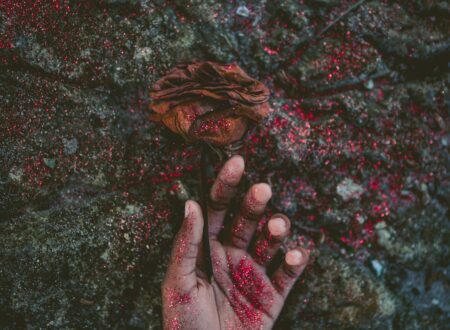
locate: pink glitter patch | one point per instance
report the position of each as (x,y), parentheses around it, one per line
(175,298)
(250,296)
(262,250)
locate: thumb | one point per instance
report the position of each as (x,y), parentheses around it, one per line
(186,247)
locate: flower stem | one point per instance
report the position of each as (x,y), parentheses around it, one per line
(204,204)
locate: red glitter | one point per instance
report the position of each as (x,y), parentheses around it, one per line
(348,60)
(270,51)
(250,296)
(261,250)
(212,126)
(174,324)
(176,298)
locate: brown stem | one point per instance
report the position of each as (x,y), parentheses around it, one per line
(204,204)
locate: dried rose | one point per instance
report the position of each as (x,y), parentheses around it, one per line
(211,102)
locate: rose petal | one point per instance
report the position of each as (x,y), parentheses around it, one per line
(180,117)
(255,113)
(195,77)
(209,101)
(219,128)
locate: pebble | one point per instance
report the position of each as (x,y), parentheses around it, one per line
(377,267)
(16,174)
(369,84)
(243,11)
(70,146)
(348,189)
(143,54)
(50,162)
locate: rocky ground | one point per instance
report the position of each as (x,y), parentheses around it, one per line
(356,151)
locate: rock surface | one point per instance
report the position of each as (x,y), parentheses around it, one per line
(356,150)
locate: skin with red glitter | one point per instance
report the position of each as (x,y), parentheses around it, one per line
(241,295)
(249,291)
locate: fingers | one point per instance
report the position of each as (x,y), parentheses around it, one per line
(246,221)
(287,274)
(269,240)
(182,263)
(222,192)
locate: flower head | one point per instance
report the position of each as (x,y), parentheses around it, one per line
(211,102)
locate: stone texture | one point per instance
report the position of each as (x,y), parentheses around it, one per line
(91,191)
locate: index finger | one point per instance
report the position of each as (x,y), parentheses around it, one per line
(222,192)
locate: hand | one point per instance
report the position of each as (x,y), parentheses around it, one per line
(241,294)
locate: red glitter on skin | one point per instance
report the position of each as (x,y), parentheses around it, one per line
(239,227)
(250,295)
(261,251)
(280,283)
(183,241)
(174,324)
(176,298)
(265,244)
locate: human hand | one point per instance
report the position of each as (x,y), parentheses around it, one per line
(241,295)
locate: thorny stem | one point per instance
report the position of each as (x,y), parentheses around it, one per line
(204,204)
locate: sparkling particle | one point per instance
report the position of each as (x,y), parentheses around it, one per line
(250,295)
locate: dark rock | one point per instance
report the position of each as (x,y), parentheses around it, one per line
(356,150)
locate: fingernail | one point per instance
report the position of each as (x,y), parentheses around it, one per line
(294,258)
(277,226)
(262,192)
(233,169)
(186,209)
(238,163)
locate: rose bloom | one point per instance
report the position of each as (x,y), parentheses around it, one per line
(211,102)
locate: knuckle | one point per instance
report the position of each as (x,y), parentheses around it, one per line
(273,240)
(251,214)
(225,182)
(239,241)
(278,286)
(291,272)
(217,204)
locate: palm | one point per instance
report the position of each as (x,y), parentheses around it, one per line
(246,295)
(241,294)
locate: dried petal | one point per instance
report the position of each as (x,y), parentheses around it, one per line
(219,128)
(191,97)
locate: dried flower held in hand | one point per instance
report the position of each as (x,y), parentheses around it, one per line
(211,102)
